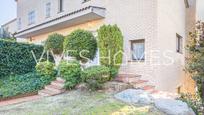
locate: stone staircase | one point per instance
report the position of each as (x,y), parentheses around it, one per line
(133,81)
(56,87)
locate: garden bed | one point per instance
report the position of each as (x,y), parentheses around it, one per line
(22,85)
(19,96)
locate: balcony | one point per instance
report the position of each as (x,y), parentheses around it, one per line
(79,16)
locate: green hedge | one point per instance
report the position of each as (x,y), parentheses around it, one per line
(95,76)
(70,71)
(22,84)
(46,69)
(16,58)
(97,73)
(110,42)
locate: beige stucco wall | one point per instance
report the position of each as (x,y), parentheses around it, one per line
(158,22)
(188,84)
(91,26)
(171,21)
(138,20)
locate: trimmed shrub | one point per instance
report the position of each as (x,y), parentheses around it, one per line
(95,76)
(46,69)
(113,72)
(16,58)
(110,42)
(22,84)
(194,102)
(54,43)
(70,71)
(81,41)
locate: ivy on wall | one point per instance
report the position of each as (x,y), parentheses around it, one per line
(16,58)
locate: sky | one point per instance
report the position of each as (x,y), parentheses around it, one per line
(8,10)
(200,10)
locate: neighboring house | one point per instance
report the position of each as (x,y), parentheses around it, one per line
(10,28)
(158,28)
(200,9)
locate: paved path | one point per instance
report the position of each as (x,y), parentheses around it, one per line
(19,100)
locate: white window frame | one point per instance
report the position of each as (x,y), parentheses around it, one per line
(60,6)
(186,2)
(139,42)
(31,18)
(48,9)
(84,1)
(19,23)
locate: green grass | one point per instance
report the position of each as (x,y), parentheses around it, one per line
(78,103)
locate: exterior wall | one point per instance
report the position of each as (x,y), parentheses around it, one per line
(137,19)
(11,26)
(171,21)
(91,26)
(25,6)
(200,10)
(188,84)
(155,21)
(158,22)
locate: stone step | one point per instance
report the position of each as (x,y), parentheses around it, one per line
(128,75)
(55,88)
(149,88)
(116,86)
(139,84)
(127,79)
(155,92)
(58,84)
(60,79)
(46,92)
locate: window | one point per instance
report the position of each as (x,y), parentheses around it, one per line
(179,43)
(48,9)
(60,5)
(19,23)
(85,1)
(138,50)
(31,17)
(187,3)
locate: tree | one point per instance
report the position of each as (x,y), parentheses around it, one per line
(110,40)
(81,44)
(54,43)
(195,58)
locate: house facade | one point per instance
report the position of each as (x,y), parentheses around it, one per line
(155,31)
(10,27)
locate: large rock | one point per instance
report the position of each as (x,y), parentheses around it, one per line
(134,96)
(173,107)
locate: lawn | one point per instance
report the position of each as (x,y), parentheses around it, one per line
(78,103)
